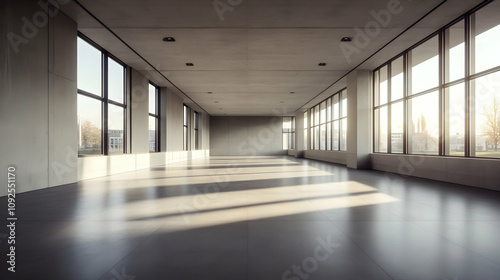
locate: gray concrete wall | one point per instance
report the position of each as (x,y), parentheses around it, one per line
(299,135)
(175,119)
(481,173)
(246,136)
(359,119)
(139,108)
(328,156)
(37,109)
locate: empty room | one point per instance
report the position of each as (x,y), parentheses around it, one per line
(250,139)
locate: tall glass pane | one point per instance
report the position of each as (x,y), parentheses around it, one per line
(152,99)
(424,124)
(455,52)
(336,107)
(285,141)
(329,109)
(305,130)
(336,135)
(116,78)
(323,112)
(186,115)
(323,137)
(89,68)
(486,38)
(343,135)
(343,109)
(455,120)
(425,66)
(397,79)
(329,136)
(381,96)
(381,131)
(397,126)
(152,134)
(287,124)
(316,138)
(115,129)
(89,126)
(316,115)
(185,135)
(487,115)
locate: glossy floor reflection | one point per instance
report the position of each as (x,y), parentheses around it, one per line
(256,218)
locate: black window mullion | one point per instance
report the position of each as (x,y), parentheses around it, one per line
(158,126)
(441,126)
(468,111)
(104,84)
(125,103)
(389,108)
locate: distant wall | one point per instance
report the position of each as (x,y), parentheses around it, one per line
(244,136)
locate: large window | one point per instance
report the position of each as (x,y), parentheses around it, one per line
(288,133)
(186,126)
(154,118)
(329,123)
(306,127)
(442,96)
(101,101)
(197,135)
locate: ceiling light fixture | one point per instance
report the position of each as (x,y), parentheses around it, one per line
(346,39)
(169,39)
(322,64)
(189,64)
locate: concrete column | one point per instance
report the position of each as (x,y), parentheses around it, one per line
(299,134)
(140,113)
(359,140)
(163,119)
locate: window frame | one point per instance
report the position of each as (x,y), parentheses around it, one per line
(156,116)
(290,135)
(330,119)
(196,128)
(185,126)
(444,85)
(104,99)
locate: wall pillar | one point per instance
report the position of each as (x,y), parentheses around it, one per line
(359,140)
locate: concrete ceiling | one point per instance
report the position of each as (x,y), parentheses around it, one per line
(258,51)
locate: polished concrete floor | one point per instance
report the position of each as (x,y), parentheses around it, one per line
(256,218)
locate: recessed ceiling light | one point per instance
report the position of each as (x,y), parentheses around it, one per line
(346,39)
(169,39)
(189,64)
(322,64)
